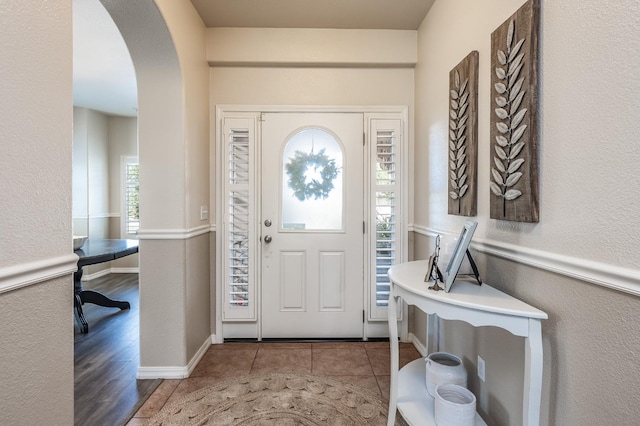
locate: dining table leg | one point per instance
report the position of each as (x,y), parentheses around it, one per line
(83,296)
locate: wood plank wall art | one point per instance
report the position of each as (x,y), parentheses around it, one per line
(463,136)
(514,80)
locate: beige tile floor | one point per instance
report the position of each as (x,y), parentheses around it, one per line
(365,364)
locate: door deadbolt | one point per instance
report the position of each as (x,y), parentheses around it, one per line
(267,223)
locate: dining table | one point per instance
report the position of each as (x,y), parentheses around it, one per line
(92,252)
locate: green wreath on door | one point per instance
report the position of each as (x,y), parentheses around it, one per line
(296,170)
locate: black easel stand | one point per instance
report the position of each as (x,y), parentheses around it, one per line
(474,267)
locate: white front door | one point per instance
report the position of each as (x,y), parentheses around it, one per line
(312,216)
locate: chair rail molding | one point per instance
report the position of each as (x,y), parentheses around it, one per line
(26,274)
(173,234)
(611,276)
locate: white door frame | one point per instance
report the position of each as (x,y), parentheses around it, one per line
(252,329)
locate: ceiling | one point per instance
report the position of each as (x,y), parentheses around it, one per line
(103,74)
(358,14)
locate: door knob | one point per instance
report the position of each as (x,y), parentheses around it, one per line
(267,239)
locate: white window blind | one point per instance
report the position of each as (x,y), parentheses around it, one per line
(131,198)
(239,248)
(385,138)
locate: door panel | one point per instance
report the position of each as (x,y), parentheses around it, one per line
(293,281)
(312,192)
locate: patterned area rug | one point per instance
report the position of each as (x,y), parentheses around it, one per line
(276,399)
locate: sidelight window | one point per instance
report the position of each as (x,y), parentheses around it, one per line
(238,221)
(386,242)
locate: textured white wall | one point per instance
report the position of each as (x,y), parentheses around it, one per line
(36,331)
(91,168)
(123,141)
(36,363)
(91,177)
(188,34)
(588,101)
(323,67)
(98,153)
(80,171)
(36,132)
(160,100)
(312,86)
(309,46)
(589,95)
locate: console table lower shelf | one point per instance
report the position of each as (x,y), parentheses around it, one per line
(414,402)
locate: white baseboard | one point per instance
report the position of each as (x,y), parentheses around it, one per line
(129,270)
(198,356)
(103,272)
(162,373)
(95,275)
(216,339)
(418,344)
(174,372)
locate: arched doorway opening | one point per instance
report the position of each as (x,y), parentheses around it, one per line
(173,146)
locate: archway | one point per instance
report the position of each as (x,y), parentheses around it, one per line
(173,146)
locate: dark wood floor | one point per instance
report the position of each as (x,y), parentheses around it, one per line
(106,359)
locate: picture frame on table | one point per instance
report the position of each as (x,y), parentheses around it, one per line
(461,249)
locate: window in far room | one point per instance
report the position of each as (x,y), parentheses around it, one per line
(130,201)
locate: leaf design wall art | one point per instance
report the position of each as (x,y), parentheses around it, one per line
(463,136)
(514,163)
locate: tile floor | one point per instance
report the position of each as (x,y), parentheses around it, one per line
(365,364)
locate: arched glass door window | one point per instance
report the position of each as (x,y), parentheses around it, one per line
(312,182)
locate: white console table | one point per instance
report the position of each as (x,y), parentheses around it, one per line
(477,305)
